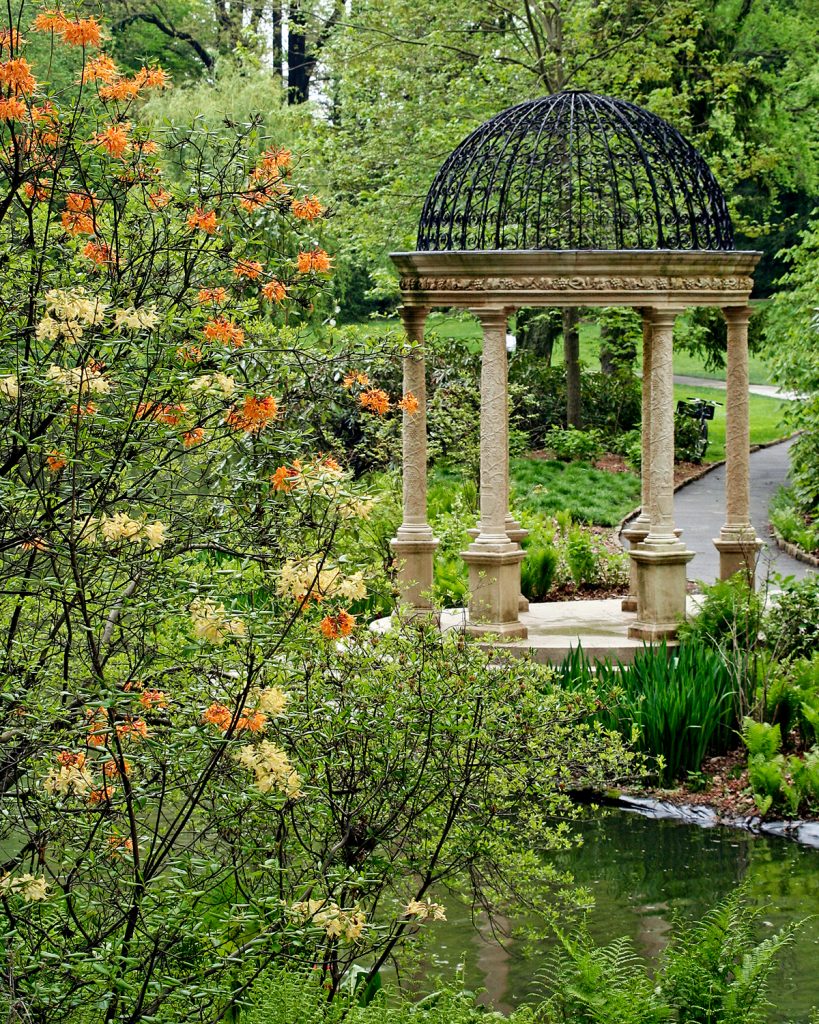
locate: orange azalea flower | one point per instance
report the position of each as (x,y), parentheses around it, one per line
(151,699)
(308,208)
(36,544)
(335,626)
(328,462)
(316,260)
(12,110)
(49,21)
(285,477)
(98,252)
(147,147)
(114,140)
(189,353)
(101,796)
(118,843)
(153,78)
(218,715)
(375,400)
(80,202)
(254,722)
(355,378)
(216,296)
(10,38)
(36,190)
(193,437)
(250,269)
(157,200)
(275,159)
(409,403)
(77,223)
(274,291)
(203,221)
(97,719)
(133,729)
(55,462)
(68,759)
(99,69)
(123,89)
(113,769)
(83,410)
(224,331)
(82,32)
(16,74)
(169,414)
(255,414)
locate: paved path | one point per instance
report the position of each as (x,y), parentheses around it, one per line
(699,510)
(765,390)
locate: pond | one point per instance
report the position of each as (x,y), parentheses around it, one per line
(642,873)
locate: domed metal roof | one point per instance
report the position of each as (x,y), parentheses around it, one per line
(575,171)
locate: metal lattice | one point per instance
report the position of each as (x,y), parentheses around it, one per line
(575,171)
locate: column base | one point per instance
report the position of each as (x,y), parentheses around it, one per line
(494,586)
(739,554)
(635,535)
(415,557)
(661,591)
(516,533)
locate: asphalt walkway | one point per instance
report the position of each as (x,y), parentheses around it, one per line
(699,510)
(765,390)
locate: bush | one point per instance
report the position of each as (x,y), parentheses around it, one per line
(571,445)
(792,524)
(729,616)
(687,440)
(791,628)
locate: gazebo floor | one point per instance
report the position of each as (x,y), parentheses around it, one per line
(557,627)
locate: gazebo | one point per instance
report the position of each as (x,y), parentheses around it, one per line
(575,199)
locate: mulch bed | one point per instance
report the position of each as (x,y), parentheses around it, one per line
(727,790)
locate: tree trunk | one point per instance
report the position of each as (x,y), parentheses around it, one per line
(300,63)
(537,331)
(571,360)
(276,18)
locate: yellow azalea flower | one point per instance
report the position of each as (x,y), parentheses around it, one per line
(32,888)
(425,910)
(273,701)
(9,387)
(272,769)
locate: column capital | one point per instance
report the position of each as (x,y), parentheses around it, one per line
(413,318)
(492,316)
(662,317)
(737,314)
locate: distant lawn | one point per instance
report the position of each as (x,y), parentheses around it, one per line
(766,418)
(545,487)
(684,364)
(591,495)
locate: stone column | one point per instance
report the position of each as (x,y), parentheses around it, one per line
(661,558)
(493,559)
(738,544)
(637,532)
(414,544)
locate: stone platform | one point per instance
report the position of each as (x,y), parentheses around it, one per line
(557,627)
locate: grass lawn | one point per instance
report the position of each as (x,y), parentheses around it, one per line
(545,487)
(684,364)
(591,495)
(766,418)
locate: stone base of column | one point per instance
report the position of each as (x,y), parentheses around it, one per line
(739,555)
(415,556)
(515,533)
(494,588)
(660,591)
(635,535)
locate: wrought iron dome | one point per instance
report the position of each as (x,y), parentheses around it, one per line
(575,171)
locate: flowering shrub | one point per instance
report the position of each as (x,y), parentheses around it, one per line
(206,768)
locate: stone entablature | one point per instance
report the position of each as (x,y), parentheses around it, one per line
(545,278)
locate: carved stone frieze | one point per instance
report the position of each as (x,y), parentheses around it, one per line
(575,284)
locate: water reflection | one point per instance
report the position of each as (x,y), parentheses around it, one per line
(643,873)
